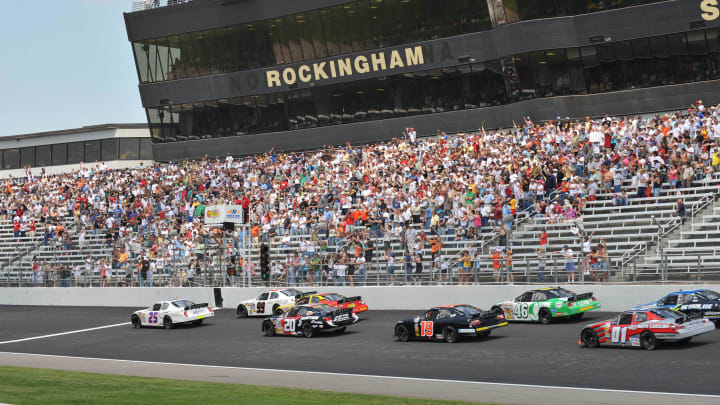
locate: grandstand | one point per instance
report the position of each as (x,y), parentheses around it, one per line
(325,205)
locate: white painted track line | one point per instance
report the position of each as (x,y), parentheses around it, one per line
(359,383)
(64,333)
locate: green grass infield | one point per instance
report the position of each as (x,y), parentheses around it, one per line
(30,386)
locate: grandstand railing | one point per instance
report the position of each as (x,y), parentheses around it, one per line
(215,273)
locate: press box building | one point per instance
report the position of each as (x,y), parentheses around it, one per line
(242,76)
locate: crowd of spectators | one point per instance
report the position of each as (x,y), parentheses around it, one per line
(409,190)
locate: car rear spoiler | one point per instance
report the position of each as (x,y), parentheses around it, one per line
(196,306)
(486,315)
(349,299)
(689,316)
(342,311)
(580,297)
(305,294)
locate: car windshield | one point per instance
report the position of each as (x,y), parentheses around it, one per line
(182,303)
(468,309)
(666,312)
(710,294)
(291,292)
(559,293)
(333,297)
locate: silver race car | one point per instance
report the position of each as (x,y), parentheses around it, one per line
(167,314)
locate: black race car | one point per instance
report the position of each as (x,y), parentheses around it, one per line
(308,320)
(448,323)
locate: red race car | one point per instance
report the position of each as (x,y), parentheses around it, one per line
(334,300)
(645,328)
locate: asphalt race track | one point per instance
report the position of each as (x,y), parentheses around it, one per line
(535,354)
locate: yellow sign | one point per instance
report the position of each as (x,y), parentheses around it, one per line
(710,9)
(347,66)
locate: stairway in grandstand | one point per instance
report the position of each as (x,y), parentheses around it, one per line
(19,271)
(691,252)
(630,231)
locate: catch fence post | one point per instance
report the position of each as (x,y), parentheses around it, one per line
(699,268)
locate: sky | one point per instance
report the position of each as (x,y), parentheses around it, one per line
(66,64)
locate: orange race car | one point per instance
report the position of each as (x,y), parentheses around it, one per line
(333,299)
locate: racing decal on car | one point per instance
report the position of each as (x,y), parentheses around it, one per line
(426,328)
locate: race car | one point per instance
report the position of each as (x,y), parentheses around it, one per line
(268,302)
(167,314)
(308,320)
(448,323)
(705,302)
(645,328)
(546,304)
(333,299)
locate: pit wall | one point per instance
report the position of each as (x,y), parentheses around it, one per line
(613,298)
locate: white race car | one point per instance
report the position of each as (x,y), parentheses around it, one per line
(169,313)
(269,302)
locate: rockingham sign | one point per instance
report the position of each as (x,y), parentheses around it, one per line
(346,66)
(710,10)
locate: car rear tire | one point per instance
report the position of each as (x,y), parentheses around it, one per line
(451,334)
(135,321)
(341,330)
(497,311)
(242,312)
(277,311)
(167,322)
(307,330)
(685,341)
(197,322)
(648,341)
(484,333)
(402,333)
(577,316)
(268,329)
(545,316)
(589,338)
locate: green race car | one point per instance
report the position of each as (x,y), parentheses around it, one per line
(545,304)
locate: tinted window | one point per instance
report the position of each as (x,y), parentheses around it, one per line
(11,159)
(129,149)
(27,156)
(146,152)
(625,319)
(273,295)
(76,152)
(92,151)
(640,317)
(109,149)
(59,154)
(42,155)
(263,297)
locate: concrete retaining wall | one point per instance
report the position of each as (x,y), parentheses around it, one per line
(614,298)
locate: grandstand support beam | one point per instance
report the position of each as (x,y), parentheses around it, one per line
(635,269)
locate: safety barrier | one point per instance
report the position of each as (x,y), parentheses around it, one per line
(614,298)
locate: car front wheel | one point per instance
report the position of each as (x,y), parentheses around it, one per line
(402,334)
(167,322)
(242,311)
(589,338)
(268,329)
(135,321)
